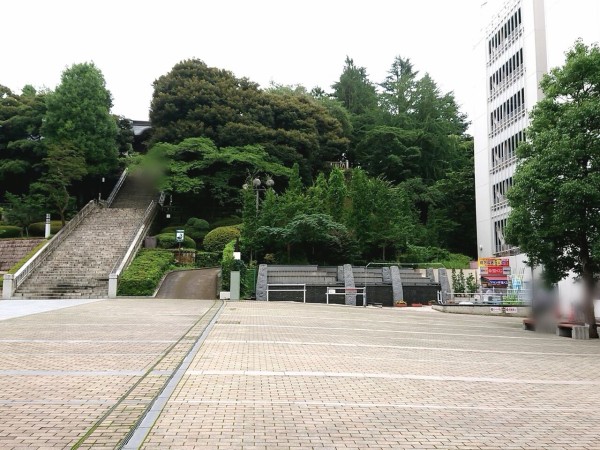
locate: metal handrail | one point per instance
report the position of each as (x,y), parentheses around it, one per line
(135,240)
(116,189)
(22,274)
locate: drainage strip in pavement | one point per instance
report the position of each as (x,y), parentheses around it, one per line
(142,429)
(118,424)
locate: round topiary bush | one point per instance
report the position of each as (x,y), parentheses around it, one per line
(39,228)
(217,239)
(168,240)
(9,231)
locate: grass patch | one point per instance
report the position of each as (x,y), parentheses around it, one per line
(14,269)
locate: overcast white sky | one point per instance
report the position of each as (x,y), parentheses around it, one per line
(134,42)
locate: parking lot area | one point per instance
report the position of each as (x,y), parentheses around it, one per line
(290,375)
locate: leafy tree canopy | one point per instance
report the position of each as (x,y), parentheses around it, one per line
(555,199)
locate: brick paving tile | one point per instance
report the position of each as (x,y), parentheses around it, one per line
(62,371)
(288,375)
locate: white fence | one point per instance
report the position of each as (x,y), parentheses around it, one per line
(334,290)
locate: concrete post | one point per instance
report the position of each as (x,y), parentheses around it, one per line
(113,281)
(7,286)
(261,283)
(349,283)
(234,285)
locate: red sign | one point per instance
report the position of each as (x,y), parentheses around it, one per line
(495,270)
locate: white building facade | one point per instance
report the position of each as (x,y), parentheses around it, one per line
(522,41)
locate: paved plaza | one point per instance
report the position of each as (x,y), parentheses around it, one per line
(184,374)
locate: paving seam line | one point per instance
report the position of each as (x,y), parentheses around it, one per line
(137,383)
(141,430)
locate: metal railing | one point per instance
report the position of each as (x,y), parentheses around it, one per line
(505,45)
(491,297)
(506,83)
(303,290)
(332,290)
(41,255)
(116,189)
(507,121)
(135,240)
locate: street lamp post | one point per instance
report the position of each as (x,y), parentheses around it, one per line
(256,186)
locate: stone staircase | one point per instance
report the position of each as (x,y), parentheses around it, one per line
(80,266)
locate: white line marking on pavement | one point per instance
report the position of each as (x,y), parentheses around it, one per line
(402,347)
(389,376)
(380,405)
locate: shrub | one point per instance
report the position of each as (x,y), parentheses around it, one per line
(168,240)
(228,264)
(145,272)
(194,228)
(207,259)
(217,239)
(9,231)
(39,228)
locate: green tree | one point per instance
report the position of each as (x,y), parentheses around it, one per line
(197,167)
(336,194)
(398,95)
(65,164)
(354,90)
(392,152)
(79,113)
(22,148)
(555,199)
(24,209)
(194,100)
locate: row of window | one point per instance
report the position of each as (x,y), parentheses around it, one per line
(500,240)
(507,69)
(507,149)
(499,190)
(513,105)
(509,27)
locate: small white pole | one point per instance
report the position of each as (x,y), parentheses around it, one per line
(47,229)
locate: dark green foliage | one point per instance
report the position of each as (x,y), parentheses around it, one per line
(24,209)
(21,146)
(194,100)
(208,259)
(217,239)
(9,231)
(194,228)
(39,228)
(227,221)
(145,272)
(168,240)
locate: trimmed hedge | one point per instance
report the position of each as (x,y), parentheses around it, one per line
(39,228)
(145,272)
(192,232)
(168,240)
(208,259)
(9,231)
(217,239)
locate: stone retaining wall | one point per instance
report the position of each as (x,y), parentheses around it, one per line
(12,250)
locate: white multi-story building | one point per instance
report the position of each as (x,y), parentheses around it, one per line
(523,39)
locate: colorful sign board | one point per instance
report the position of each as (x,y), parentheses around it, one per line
(494,262)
